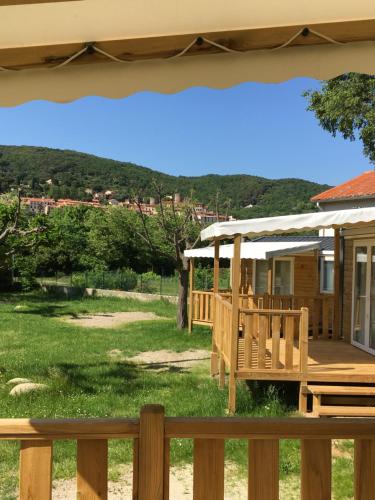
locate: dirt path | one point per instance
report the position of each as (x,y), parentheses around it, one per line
(111,320)
(180,486)
(164,360)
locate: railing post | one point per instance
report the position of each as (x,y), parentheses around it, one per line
(316,464)
(151,453)
(263,465)
(304,340)
(364,469)
(35,470)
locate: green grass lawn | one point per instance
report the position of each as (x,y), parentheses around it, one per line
(84,381)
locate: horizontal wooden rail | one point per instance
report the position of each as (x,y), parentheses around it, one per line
(6,3)
(268,428)
(22,428)
(152,434)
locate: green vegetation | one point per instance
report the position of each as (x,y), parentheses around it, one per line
(84,380)
(73,172)
(346,105)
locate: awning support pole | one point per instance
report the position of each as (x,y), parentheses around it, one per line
(236,278)
(214,354)
(191,296)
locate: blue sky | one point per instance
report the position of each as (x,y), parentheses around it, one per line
(259,129)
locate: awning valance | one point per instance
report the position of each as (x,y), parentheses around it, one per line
(289,223)
(65,50)
(256,249)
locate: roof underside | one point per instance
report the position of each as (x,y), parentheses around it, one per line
(289,223)
(115,48)
(259,250)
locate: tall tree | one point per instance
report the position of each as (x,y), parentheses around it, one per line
(346,105)
(174,229)
(19,235)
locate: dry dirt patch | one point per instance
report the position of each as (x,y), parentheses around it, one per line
(165,360)
(180,487)
(111,320)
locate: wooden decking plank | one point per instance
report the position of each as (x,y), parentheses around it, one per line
(347,411)
(341,390)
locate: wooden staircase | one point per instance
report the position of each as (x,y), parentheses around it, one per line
(342,400)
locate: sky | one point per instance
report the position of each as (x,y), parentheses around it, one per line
(257,129)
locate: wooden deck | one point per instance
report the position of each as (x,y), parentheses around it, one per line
(328,361)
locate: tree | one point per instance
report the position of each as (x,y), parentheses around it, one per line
(169,233)
(19,235)
(346,105)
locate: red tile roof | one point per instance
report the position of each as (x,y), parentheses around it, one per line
(359,187)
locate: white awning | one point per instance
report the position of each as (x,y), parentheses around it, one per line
(61,51)
(289,223)
(256,249)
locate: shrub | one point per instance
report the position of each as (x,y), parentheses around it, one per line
(203,278)
(149,283)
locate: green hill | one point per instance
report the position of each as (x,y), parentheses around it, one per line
(71,173)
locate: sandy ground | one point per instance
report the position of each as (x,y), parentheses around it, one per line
(111,320)
(165,360)
(180,486)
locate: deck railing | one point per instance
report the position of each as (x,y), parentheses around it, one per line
(202,307)
(223,328)
(152,434)
(321,307)
(270,340)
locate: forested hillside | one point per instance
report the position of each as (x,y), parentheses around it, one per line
(60,174)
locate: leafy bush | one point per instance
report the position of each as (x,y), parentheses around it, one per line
(203,278)
(124,279)
(149,283)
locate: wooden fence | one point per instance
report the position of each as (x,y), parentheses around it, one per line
(321,308)
(152,434)
(273,340)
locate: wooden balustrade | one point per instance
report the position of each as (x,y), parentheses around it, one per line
(223,327)
(321,308)
(152,434)
(202,307)
(273,340)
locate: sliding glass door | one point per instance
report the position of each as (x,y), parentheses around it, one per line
(363,328)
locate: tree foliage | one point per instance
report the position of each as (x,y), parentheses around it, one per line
(72,174)
(346,105)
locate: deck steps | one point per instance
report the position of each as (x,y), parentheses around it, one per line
(342,400)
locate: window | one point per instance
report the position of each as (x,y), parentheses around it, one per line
(326,274)
(261,277)
(283,276)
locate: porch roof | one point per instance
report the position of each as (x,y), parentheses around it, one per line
(289,223)
(256,249)
(64,50)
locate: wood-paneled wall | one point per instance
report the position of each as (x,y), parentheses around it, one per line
(306,275)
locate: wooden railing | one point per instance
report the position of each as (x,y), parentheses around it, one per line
(152,434)
(321,308)
(273,340)
(202,307)
(223,327)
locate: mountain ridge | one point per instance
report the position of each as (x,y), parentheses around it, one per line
(73,172)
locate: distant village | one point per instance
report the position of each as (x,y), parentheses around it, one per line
(44,205)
